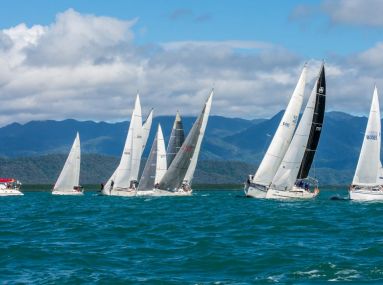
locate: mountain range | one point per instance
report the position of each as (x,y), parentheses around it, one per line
(228,142)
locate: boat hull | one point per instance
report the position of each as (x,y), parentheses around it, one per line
(68,192)
(295,193)
(120,192)
(255,191)
(10,192)
(164,193)
(366,195)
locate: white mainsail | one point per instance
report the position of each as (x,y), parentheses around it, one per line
(146,129)
(155,166)
(282,138)
(288,170)
(127,169)
(368,169)
(70,174)
(161,165)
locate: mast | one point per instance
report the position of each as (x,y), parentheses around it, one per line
(316,126)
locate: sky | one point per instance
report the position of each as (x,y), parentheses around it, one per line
(88,59)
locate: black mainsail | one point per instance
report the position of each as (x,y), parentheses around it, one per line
(316,126)
(177,138)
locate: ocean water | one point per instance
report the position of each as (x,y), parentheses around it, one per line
(213,237)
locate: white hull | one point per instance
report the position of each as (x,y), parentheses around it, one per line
(256,191)
(295,193)
(145,192)
(263,192)
(163,193)
(10,192)
(120,192)
(68,192)
(366,195)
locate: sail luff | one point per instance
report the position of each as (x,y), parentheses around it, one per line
(283,135)
(368,167)
(316,127)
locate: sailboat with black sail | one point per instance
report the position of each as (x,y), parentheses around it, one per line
(291,179)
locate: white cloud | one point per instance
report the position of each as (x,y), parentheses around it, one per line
(89,67)
(355,12)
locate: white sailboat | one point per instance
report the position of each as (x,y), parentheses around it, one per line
(155,166)
(258,184)
(123,182)
(69,178)
(178,178)
(10,187)
(367,184)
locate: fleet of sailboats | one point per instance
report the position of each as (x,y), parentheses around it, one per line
(68,182)
(166,173)
(282,174)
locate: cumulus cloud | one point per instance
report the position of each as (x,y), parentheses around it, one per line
(355,12)
(89,67)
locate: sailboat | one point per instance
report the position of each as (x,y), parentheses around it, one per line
(291,179)
(155,166)
(10,187)
(123,182)
(69,178)
(178,178)
(177,138)
(258,184)
(367,183)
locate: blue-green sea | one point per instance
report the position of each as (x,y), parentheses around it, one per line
(213,237)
